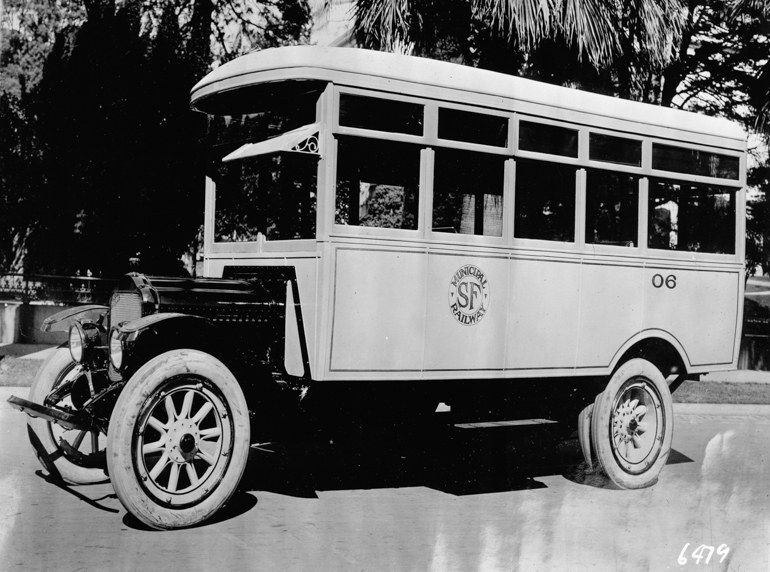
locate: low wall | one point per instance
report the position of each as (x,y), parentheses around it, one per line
(20,323)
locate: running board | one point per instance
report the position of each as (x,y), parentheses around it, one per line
(514,423)
(66,420)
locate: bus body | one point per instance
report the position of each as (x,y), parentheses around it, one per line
(390,234)
(521,229)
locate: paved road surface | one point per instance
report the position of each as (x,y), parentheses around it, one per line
(448,501)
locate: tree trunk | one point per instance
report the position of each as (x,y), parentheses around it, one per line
(199,44)
(676,72)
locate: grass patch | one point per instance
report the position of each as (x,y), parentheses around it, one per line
(723,392)
(18,372)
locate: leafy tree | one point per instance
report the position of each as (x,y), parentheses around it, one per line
(27,30)
(117,150)
(20,170)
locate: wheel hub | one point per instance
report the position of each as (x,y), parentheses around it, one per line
(182,441)
(628,421)
(187,444)
(636,427)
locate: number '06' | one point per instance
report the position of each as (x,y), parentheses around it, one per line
(658,281)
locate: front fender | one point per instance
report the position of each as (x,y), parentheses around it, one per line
(152,335)
(61,321)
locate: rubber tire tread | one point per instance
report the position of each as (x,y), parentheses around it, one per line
(600,424)
(128,408)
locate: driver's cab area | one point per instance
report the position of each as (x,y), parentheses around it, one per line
(263,146)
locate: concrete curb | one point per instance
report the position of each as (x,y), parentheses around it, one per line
(719,409)
(737,376)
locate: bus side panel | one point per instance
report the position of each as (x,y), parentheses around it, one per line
(466,323)
(698,308)
(610,311)
(378,310)
(544,307)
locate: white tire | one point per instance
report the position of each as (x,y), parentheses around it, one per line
(632,425)
(178,439)
(46,437)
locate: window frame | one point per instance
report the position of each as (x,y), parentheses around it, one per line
(689,254)
(262,245)
(641,226)
(338,129)
(478,147)
(577,243)
(477,239)
(430,142)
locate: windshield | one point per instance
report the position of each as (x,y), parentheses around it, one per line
(273,194)
(226,133)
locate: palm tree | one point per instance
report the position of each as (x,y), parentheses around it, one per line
(598,31)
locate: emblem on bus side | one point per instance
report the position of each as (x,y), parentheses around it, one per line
(469,295)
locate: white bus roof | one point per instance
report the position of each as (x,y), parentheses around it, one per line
(337,64)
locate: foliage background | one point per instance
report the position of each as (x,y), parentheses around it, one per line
(101,167)
(100,156)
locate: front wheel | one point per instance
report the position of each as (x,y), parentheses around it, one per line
(178,439)
(72,455)
(632,425)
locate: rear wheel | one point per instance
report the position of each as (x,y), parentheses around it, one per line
(632,425)
(178,439)
(74,456)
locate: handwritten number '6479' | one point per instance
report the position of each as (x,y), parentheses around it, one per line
(698,553)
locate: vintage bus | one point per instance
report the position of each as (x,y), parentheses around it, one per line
(430,235)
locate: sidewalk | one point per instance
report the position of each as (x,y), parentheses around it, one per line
(738,376)
(26,351)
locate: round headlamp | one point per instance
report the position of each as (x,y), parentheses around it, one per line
(84,339)
(116,349)
(76,342)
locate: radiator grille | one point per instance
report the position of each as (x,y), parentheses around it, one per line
(125,307)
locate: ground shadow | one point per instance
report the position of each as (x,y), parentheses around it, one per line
(240,503)
(675,458)
(583,474)
(438,456)
(430,454)
(65,487)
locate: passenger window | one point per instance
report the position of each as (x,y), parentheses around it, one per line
(694,218)
(468,193)
(695,162)
(612,208)
(609,149)
(273,195)
(458,125)
(377,183)
(545,201)
(381,114)
(550,139)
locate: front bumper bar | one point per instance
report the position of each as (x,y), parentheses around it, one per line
(52,414)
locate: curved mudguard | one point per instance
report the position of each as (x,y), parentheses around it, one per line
(61,321)
(157,333)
